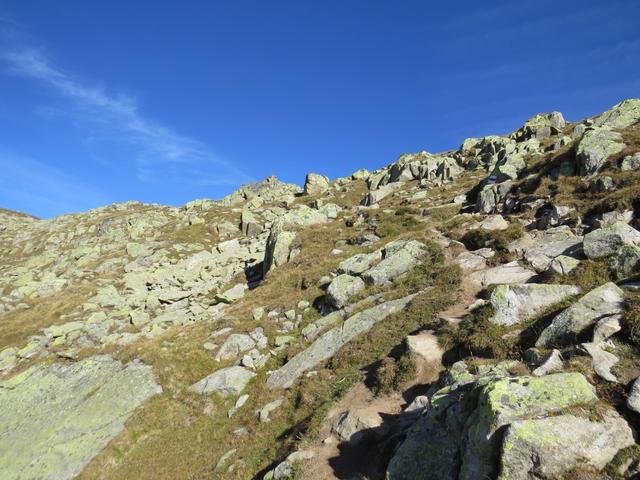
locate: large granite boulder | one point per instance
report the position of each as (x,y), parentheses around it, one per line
(595,148)
(315,184)
(606,241)
(517,303)
(475,425)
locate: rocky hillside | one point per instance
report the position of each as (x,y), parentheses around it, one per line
(472,314)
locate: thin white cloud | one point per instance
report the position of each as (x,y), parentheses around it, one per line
(158,150)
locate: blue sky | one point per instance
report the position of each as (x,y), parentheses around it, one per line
(170,101)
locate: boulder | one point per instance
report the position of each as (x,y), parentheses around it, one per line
(315,184)
(604,301)
(595,147)
(353,427)
(233,294)
(547,449)
(541,126)
(607,241)
(517,303)
(265,412)
(342,288)
(327,345)
(278,250)
(492,196)
(375,196)
(56,418)
(226,381)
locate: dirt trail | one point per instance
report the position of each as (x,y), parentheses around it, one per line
(337,459)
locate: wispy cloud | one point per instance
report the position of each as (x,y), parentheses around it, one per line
(157,150)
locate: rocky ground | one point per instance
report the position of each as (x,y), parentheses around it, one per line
(462,315)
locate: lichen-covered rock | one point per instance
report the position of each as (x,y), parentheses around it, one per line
(595,148)
(56,418)
(516,303)
(505,401)
(546,449)
(604,301)
(606,241)
(622,115)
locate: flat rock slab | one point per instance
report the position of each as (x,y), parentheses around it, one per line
(226,381)
(55,419)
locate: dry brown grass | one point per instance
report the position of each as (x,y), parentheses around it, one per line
(17,325)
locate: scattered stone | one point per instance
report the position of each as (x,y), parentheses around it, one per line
(257,313)
(329,343)
(508,273)
(268,409)
(563,265)
(225,459)
(601,360)
(494,222)
(242,399)
(352,426)
(631,162)
(633,401)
